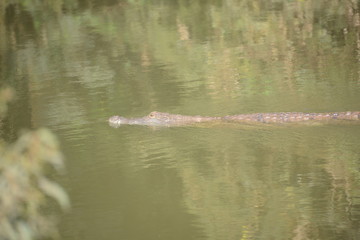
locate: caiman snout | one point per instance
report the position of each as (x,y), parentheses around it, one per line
(116,121)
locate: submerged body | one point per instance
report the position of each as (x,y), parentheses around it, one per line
(168,119)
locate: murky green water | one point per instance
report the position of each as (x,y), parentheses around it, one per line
(76,63)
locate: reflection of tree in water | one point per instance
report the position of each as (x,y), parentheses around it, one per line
(262,184)
(230,45)
(272,184)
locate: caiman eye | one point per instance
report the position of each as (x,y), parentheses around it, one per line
(151,115)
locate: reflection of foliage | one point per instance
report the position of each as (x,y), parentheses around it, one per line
(5,96)
(23,186)
(229,49)
(256,183)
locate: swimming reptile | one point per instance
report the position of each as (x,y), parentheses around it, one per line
(167,119)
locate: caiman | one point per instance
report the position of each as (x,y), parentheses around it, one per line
(167,119)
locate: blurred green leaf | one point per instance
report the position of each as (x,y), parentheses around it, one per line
(23,182)
(55,191)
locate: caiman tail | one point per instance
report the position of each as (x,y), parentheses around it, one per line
(284,117)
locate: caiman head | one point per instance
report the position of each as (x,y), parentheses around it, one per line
(160,119)
(153,119)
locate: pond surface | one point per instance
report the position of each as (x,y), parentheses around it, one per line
(74,64)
